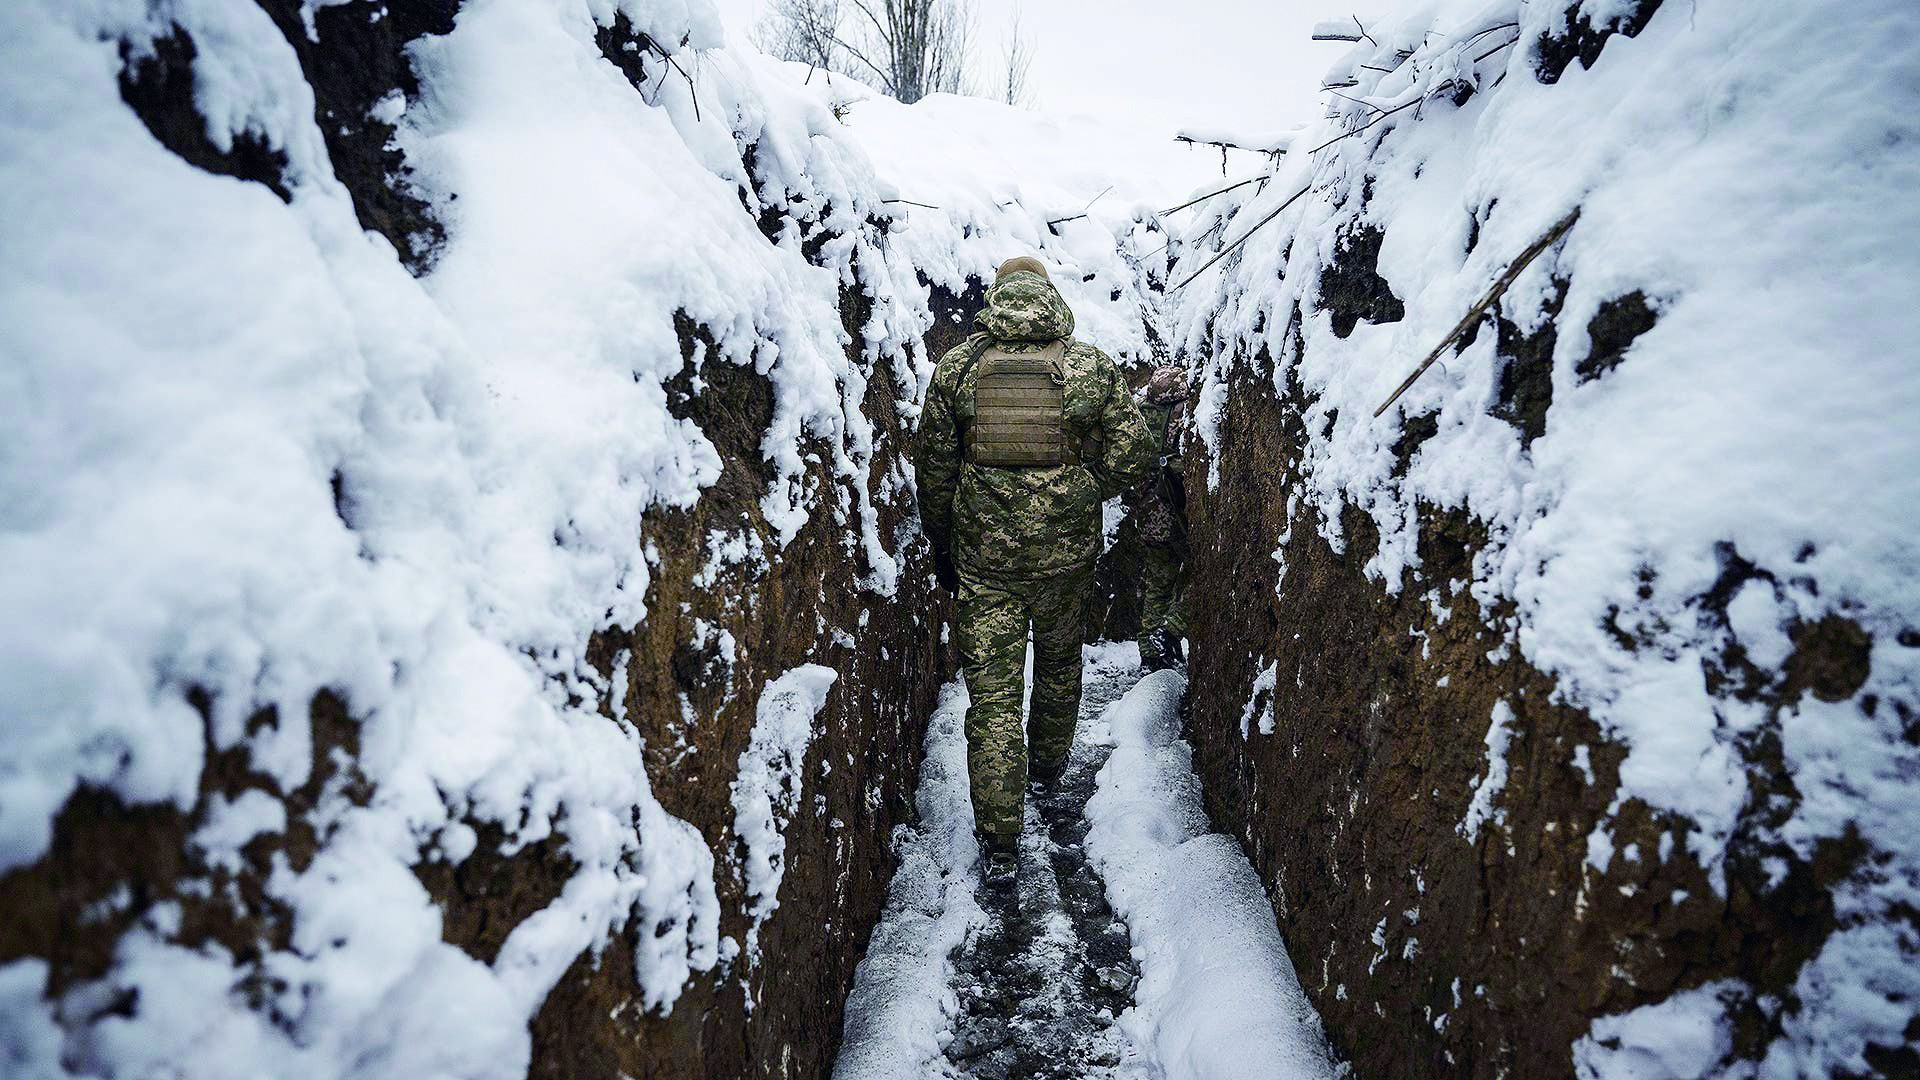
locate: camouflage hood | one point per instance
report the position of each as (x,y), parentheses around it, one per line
(1024,306)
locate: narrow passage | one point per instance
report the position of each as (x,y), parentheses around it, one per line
(1142,946)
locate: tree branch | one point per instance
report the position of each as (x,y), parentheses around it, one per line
(1193,202)
(1478,310)
(1230,248)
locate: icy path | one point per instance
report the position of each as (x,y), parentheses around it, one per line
(1143,947)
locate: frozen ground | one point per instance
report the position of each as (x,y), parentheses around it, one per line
(1142,947)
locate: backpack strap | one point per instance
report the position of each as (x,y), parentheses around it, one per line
(973,357)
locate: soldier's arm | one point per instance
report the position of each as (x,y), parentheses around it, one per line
(1127,456)
(937,462)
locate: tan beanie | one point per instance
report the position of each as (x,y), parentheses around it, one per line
(1023,262)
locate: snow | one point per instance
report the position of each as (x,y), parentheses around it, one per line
(1217,996)
(231,823)
(1271,142)
(195,365)
(999,176)
(29,1036)
(1749,169)
(1347,29)
(902,996)
(766,790)
(1260,701)
(1758,623)
(1677,1039)
(1493,778)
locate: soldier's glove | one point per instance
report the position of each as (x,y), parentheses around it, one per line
(943,570)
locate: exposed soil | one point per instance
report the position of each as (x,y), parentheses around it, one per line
(1525,390)
(359,58)
(110,864)
(157,84)
(1612,331)
(1584,40)
(1428,953)
(1351,288)
(696,714)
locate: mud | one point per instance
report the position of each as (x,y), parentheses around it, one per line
(1040,986)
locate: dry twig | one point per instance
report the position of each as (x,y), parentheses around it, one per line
(1194,202)
(1230,248)
(1384,113)
(1475,313)
(1083,210)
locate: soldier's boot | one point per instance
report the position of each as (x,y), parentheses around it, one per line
(999,868)
(1044,778)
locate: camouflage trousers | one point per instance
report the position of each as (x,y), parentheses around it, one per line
(992,617)
(1163,597)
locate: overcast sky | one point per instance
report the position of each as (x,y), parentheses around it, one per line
(1239,65)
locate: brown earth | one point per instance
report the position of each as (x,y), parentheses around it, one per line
(1427,953)
(838,857)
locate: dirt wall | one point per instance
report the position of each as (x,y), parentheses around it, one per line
(1427,950)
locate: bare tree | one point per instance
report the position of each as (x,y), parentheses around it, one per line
(914,47)
(805,31)
(1017,89)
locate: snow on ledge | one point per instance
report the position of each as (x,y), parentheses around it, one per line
(1494,780)
(767,790)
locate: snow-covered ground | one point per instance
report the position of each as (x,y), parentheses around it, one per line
(902,995)
(1748,170)
(1216,997)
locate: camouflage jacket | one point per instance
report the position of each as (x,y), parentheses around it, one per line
(1157,507)
(1028,522)
(1160,509)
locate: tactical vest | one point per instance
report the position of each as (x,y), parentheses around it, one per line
(1019,409)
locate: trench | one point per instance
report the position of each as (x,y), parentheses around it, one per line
(1040,986)
(1137,933)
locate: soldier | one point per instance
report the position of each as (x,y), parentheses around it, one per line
(1163,525)
(1026,432)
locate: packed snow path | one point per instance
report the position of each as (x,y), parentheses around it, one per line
(1142,945)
